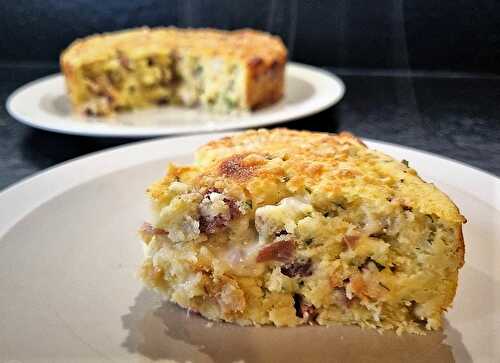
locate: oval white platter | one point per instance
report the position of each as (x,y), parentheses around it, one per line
(43,104)
(69,252)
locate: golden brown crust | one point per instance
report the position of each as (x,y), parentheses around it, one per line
(259,50)
(324,163)
(235,167)
(265,84)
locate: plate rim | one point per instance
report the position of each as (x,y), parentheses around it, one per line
(89,167)
(146,132)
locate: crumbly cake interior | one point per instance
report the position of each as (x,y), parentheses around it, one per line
(286,228)
(160,79)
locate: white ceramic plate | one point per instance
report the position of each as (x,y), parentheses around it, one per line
(69,250)
(43,104)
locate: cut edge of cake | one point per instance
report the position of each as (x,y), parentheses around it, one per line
(276,227)
(223,71)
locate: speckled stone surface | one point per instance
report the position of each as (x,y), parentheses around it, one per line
(457,117)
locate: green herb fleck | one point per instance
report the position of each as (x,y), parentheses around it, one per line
(249,204)
(308,190)
(308,241)
(404,161)
(385,287)
(197,70)
(230,103)
(379,266)
(338,205)
(431,237)
(285,179)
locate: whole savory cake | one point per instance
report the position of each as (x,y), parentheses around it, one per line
(287,227)
(219,70)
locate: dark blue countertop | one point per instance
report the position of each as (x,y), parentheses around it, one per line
(454,115)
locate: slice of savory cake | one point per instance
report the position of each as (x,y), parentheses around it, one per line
(286,227)
(220,70)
